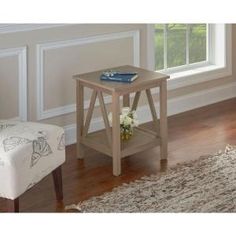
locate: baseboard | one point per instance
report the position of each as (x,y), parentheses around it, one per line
(175,106)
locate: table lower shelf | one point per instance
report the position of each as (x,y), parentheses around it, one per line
(141,140)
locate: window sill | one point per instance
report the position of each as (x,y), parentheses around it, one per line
(197,75)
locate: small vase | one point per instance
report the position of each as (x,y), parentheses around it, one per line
(126,133)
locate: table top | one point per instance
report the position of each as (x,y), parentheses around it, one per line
(145,78)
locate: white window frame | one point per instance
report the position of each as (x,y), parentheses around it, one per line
(217,65)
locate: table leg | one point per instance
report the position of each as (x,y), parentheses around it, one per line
(163,120)
(136,100)
(80,118)
(116,147)
(126,100)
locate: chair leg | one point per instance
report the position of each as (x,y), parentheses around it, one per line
(13,205)
(57,178)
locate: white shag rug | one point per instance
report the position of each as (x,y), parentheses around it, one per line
(204,185)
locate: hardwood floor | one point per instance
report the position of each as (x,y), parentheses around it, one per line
(191,134)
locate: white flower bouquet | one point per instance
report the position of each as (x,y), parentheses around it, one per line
(128,120)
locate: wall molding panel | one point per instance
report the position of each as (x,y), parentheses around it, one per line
(41,48)
(21,54)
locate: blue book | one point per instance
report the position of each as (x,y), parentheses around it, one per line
(126,77)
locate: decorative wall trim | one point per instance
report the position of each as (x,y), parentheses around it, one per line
(22,78)
(175,106)
(41,48)
(12,28)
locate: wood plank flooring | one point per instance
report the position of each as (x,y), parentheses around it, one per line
(191,134)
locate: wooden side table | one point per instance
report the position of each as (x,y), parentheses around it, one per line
(108,141)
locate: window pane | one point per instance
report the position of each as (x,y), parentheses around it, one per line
(159,46)
(197,43)
(176,45)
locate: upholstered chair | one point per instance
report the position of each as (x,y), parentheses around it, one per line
(28,153)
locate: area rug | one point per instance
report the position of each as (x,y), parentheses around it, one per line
(205,185)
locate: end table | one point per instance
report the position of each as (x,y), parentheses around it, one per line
(108,141)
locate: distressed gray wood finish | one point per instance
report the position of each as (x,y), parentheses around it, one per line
(143,139)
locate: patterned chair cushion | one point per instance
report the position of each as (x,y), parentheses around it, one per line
(28,152)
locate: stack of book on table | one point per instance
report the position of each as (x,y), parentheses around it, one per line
(126,77)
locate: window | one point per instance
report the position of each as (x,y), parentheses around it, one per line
(180,45)
(190,53)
